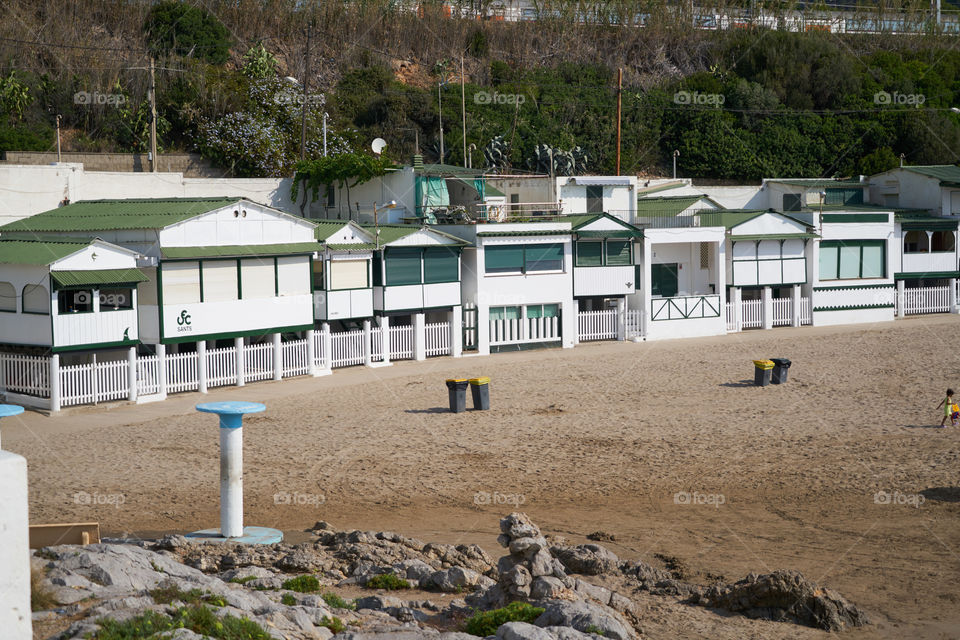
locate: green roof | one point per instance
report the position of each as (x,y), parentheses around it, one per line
(947,173)
(728,219)
(773,236)
(578,221)
(925,223)
(94,277)
(665,205)
(228,251)
(38,252)
(129,213)
(814,183)
(662,187)
(528,232)
(357,246)
(325,229)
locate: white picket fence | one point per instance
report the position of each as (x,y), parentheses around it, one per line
(806,312)
(295,358)
(221,367)
(94,382)
(258,362)
(182,372)
(782,312)
(731,317)
(438,339)
(634,323)
(29,375)
(148,375)
(919,300)
(597,325)
(401,342)
(751,313)
(347,348)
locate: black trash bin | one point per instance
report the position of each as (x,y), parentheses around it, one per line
(780,368)
(480,388)
(761,372)
(457,390)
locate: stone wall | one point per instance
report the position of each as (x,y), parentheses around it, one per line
(191,165)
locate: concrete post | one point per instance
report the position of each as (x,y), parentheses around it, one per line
(576,324)
(241,363)
(456,332)
(132,374)
(55,382)
(311,353)
(795,315)
(277,357)
(162,370)
(901,285)
(621,319)
(767,297)
(367,344)
(15,615)
(419,336)
(326,342)
(202,366)
(385,337)
(483,329)
(952,294)
(737,301)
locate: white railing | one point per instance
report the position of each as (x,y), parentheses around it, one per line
(543,329)
(438,339)
(731,317)
(221,367)
(926,300)
(347,348)
(806,312)
(319,356)
(597,325)
(401,342)
(113,380)
(257,362)
(295,358)
(504,331)
(182,372)
(634,323)
(94,382)
(751,314)
(29,375)
(782,312)
(76,385)
(376,344)
(148,375)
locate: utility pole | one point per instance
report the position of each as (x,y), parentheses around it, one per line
(59,160)
(440,114)
(153,118)
(306,82)
(619,97)
(463,109)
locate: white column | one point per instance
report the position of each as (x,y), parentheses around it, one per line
(132,374)
(767,301)
(15,615)
(231,482)
(569,323)
(952,283)
(621,319)
(327,343)
(456,332)
(202,366)
(55,382)
(795,316)
(385,338)
(367,346)
(576,323)
(738,308)
(483,329)
(277,357)
(900,297)
(241,368)
(419,336)
(311,352)
(162,370)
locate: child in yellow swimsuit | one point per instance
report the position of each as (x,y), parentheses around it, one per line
(950,410)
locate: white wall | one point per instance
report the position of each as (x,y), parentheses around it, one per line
(21,328)
(222,228)
(913,190)
(96,256)
(617,199)
(736,197)
(396,185)
(15,615)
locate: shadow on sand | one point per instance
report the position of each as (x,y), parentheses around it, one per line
(430,410)
(742,383)
(942,494)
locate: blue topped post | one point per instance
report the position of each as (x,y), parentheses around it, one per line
(10,410)
(231,474)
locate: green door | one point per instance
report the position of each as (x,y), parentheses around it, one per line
(663,280)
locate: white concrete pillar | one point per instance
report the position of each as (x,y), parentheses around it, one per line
(952,283)
(483,329)
(456,332)
(277,357)
(241,362)
(326,342)
(568,323)
(738,308)
(795,315)
(767,298)
(162,370)
(576,324)
(55,382)
(311,352)
(901,285)
(132,374)
(621,319)
(419,336)
(385,337)
(15,614)
(202,366)
(367,344)
(231,481)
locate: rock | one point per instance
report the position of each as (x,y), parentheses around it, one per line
(246,572)
(569,633)
(182,634)
(377,603)
(522,631)
(623,604)
(645,574)
(541,564)
(527,546)
(517,581)
(124,566)
(586,615)
(453,580)
(518,525)
(785,596)
(406,614)
(675,588)
(586,590)
(491,598)
(546,588)
(586,559)
(413,569)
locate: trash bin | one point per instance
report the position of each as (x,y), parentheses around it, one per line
(480,388)
(457,390)
(762,372)
(780,367)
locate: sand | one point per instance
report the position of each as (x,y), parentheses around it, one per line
(600,437)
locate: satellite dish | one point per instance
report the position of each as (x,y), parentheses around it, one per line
(378,145)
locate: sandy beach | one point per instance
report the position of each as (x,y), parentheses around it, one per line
(840,473)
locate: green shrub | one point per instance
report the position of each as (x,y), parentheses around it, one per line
(168,592)
(146,625)
(337,602)
(288,599)
(41,597)
(243,580)
(302,584)
(180,28)
(335,624)
(486,623)
(203,620)
(216,601)
(388,581)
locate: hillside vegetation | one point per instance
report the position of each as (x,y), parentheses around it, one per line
(736,105)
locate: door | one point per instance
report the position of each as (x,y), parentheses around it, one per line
(663,280)
(469,327)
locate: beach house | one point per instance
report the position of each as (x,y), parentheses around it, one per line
(343,274)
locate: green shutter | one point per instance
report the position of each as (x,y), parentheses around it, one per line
(503,258)
(441,264)
(589,253)
(543,257)
(618,252)
(403,266)
(829,261)
(377,270)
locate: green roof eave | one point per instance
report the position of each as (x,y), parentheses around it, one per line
(926,224)
(38,253)
(821,183)
(356,246)
(532,232)
(774,236)
(233,251)
(611,233)
(917,275)
(96,277)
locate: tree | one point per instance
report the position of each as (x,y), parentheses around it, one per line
(178,28)
(344,170)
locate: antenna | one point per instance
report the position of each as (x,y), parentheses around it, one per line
(378,145)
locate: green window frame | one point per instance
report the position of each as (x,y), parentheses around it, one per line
(608,252)
(505,313)
(619,252)
(71,301)
(503,258)
(543,311)
(589,253)
(441,264)
(543,257)
(404,266)
(843,195)
(523,258)
(853,259)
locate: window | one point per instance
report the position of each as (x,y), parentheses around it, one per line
(36,299)
(293,275)
(942,241)
(331,196)
(619,252)
(257,279)
(348,274)
(839,195)
(8,297)
(845,260)
(72,301)
(915,242)
(792,202)
(318,282)
(664,281)
(595,199)
(181,282)
(543,257)
(441,264)
(518,258)
(220,280)
(116,299)
(589,253)
(504,313)
(403,266)
(705,255)
(595,253)
(543,311)
(503,259)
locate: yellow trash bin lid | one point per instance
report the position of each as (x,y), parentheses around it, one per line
(763,364)
(456,379)
(479,381)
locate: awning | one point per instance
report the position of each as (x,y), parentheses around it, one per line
(774,236)
(600,181)
(610,233)
(928,224)
(64,279)
(538,232)
(229,251)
